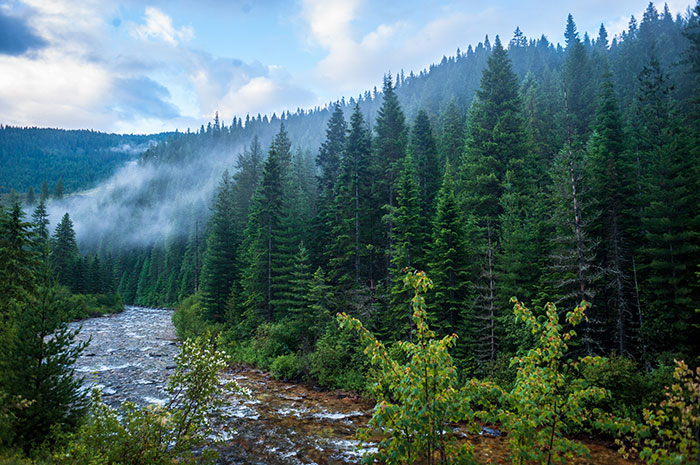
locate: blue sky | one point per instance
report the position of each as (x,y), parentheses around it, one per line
(131,66)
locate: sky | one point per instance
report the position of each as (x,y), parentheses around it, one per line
(143,67)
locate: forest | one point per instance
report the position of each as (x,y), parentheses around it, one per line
(512,176)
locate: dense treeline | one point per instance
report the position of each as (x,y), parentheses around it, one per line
(34,158)
(43,287)
(566,174)
(574,181)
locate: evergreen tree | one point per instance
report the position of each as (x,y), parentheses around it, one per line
(451,136)
(611,191)
(389,147)
(219,267)
(261,279)
(40,222)
(31,196)
(246,180)
(44,191)
(41,366)
(576,75)
(424,150)
(329,162)
(350,210)
(496,155)
(449,260)
(410,238)
(58,189)
(64,252)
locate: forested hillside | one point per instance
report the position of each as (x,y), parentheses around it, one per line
(548,172)
(38,157)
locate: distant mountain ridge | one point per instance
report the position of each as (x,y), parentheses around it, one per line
(81,158)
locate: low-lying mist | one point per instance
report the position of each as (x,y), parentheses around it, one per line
(145,201)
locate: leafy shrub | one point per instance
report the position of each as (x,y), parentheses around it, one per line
(178,432)
(630,387)
(289,366)
(544,402)
(669,434)
(189,320)
(417,401)
(338,362)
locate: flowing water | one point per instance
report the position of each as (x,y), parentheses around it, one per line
(131,355)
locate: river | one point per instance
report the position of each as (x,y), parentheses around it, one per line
(131,355)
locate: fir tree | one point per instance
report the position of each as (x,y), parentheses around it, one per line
(329,162)
(31,196)
(410,237)
(64,252)
(610,193)
(451,136)
(219,264)
(41,368)
(449,260)
(389,148)
(349,223)
(44,191)
(263,258)
(424,150)
(58,189)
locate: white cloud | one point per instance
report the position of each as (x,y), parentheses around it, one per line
(160,26)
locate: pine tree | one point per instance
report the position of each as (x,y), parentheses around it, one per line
(41,368)
(64,252)
(410,238)
(452,135)
(577,83)
(449,260)
(389,149)
(31,196)
(40,222)
(496,154)
(219,263)
(262,257)
(44,191)
(610,193)
(424,150)
(18,261)
(58,189)
(329,162)
(349,223)
(246,180)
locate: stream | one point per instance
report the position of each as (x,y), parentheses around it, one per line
(131,355)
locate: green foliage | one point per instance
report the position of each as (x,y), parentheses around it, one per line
(669,434)
(417,400)
(40,367)
(177,432)
(189,318)
(544,403)
(630,387)
(338,362)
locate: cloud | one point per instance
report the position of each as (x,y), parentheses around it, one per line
(160,26)
(142,96)
(16,37)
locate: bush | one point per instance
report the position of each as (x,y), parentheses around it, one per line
(669,434)
(81,306)
(338,362)
(544,402)
(289,366)
(189,320)
(178,432)
(271,341)
(417,401)
(630,388)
